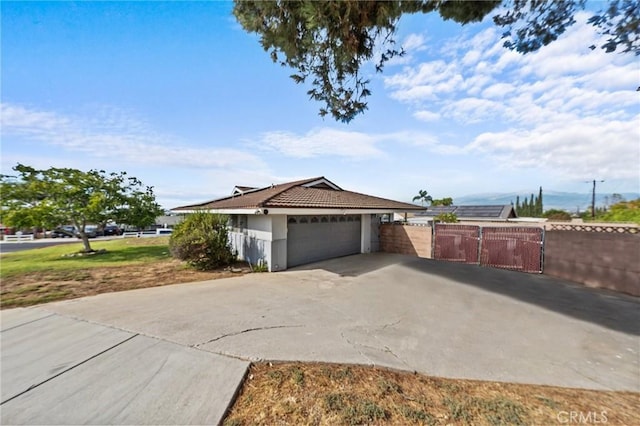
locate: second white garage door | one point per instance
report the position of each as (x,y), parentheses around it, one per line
(314,238)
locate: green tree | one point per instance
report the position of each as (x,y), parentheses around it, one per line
(448,201)
(328,42)
(539,204)
(202,240)
(446,218)
(58,196)
(525,208)
(623,211)
(616,198)
(555,214)
(423,196)
(532,206)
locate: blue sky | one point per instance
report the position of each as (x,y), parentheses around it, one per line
(178,95)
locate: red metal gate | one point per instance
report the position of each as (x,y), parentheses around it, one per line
(457,243)
(517,248)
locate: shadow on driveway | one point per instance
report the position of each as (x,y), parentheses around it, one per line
(608,309)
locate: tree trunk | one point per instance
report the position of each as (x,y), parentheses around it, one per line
(85,242)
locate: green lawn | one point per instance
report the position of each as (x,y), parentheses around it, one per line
(120,252)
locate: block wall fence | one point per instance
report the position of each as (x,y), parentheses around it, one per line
(602,260)
(406,239)
(608,260)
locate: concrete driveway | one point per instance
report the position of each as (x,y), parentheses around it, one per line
(175,355)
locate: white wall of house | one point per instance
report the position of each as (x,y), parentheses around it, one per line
(278,260)
(365,233)
(264,239)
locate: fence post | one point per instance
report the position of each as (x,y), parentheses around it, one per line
(542,250)
(480,228)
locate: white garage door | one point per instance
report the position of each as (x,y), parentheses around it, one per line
(314,238)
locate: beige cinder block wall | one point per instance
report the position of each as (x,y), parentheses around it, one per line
(603,260)
(406,239)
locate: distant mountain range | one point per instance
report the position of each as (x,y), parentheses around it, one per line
(569,201)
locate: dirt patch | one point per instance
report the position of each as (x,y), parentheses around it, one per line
(330,394)
(41,287)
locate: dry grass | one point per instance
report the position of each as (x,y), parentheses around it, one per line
(43,275)
(331,394)
(42,287)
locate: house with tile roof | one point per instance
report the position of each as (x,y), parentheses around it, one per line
(300,222)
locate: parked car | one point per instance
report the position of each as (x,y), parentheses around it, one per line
(111,230)
(64,232)
(90,230)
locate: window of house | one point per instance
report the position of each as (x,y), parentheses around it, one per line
(238,222)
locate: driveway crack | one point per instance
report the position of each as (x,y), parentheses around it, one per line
(391,324)
(354,345)
(248,330)
(383,349)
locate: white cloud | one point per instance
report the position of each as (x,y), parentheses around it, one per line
(322,142)
(411,44)
(498,90)
(564,109)
(424,115)
(473,110)
(580,149)
(341,143)
(111,134)
(414,42)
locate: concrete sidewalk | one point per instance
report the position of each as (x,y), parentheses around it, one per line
(59,370)
(176,354)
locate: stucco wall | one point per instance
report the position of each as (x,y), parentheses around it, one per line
(278,261)
(406,239)
(604,260)
(254,242)
(365,233)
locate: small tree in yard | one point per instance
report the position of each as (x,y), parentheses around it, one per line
(58,196)
(202,240)
(446,218)
(556,214)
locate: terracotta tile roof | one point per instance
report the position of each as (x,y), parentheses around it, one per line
(327,198)
(296,195)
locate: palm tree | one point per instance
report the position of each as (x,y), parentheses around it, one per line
(423,197)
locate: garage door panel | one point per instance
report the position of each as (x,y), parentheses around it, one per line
(310,239)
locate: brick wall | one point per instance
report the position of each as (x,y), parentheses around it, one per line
(406,239)
(604,260)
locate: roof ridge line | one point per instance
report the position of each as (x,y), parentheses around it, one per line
(288,186)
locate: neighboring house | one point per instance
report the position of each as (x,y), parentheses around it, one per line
(301,222)
(167,221)
(493,213)
(240,190)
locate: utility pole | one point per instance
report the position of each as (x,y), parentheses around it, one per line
(593,199)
